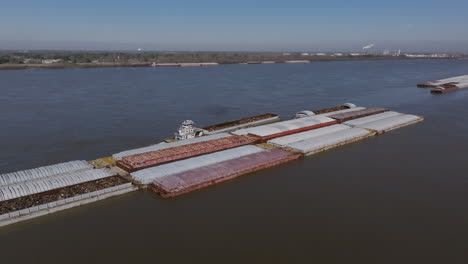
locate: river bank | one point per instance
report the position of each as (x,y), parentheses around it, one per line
(203,63)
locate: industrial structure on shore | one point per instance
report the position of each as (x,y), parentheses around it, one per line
(194,159)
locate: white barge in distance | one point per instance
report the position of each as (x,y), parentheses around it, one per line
(446,85)
(194,159)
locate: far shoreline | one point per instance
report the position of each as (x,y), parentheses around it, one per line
(20,66)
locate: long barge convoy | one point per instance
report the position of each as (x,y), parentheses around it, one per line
(194,159)
(446,85)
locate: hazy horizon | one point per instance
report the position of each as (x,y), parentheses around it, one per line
(299,25)
(130,47)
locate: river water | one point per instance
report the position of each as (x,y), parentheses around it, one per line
(397,198)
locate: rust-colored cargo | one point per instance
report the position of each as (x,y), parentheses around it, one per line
(184,182)
(149,159)
(343,117)
(244,122)
(330,109)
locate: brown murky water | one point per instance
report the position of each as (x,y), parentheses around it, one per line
(397,198)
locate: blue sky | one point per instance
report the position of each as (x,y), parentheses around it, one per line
(234,25)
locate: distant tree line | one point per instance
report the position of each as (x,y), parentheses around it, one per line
(75,57)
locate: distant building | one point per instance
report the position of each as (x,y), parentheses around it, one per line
(32,61)
(427,55)
(305,54)
(51,61)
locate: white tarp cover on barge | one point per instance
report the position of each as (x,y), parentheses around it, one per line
(148,175)
(371,118)
(284,141)
(17,190)
(41,172)
(120,155)
(321,139)
(47,178)
(284,126)
(386,124)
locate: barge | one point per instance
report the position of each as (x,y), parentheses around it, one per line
(445,88)
(446,85)
(183,182)
(241,123)
(194,159)
(153,158)
(283,128)
(321,139)
(329,110)
(16,216)
(388,123)
(43,179)
(40,191)
(343,117)
(436,83)
(146,176)
(164,145)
